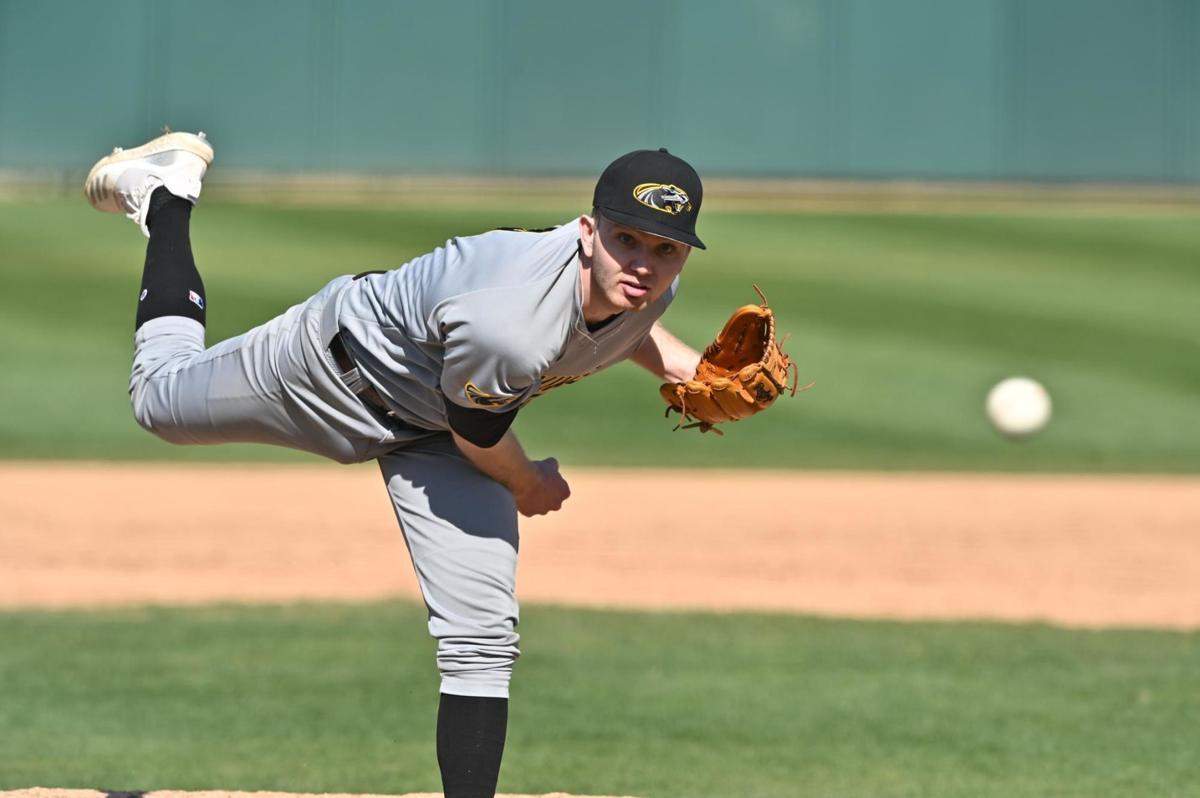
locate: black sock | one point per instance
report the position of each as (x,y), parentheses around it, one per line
(171,286)
(470,742)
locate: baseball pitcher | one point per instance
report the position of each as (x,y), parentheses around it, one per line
(423,368)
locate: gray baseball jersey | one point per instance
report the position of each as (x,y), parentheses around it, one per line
(482,324)
(454,339)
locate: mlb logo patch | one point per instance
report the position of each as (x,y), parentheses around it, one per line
(196,299)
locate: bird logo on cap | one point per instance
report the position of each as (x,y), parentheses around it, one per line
(665,197)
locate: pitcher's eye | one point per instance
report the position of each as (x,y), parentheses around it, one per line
(625,239)
(666,249)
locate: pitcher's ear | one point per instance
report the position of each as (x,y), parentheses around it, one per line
(588,230)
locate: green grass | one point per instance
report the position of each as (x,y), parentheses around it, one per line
(903,321)
(332,698)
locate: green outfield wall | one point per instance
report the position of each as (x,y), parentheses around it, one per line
(957,89)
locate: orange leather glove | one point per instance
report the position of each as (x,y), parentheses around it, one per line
(741,373)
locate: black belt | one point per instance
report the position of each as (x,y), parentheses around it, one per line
(363,389)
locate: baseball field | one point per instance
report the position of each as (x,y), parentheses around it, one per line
(863,592)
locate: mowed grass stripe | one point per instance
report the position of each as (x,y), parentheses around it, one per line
(343,698)
(902,320)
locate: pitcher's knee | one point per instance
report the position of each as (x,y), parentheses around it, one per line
(477,666)
(163,347)
(144,411)
(153,413)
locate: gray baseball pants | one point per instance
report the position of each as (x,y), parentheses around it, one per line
(278,384)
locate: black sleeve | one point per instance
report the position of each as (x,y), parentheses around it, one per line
(481,427)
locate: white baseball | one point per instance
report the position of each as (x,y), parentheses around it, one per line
(1018,407)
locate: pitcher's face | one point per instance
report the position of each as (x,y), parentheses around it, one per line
(630,268)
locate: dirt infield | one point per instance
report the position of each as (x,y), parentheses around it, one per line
(1087,551)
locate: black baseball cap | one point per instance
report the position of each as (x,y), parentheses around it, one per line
(653,191)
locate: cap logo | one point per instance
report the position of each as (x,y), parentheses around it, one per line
(664,197)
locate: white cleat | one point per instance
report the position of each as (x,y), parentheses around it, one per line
(123,181)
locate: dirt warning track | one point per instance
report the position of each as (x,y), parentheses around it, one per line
(1088,551)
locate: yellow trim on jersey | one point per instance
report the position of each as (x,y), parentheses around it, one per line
(478,396)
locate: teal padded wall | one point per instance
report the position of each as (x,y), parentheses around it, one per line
(941,89)
(928,104)
(1091,89)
